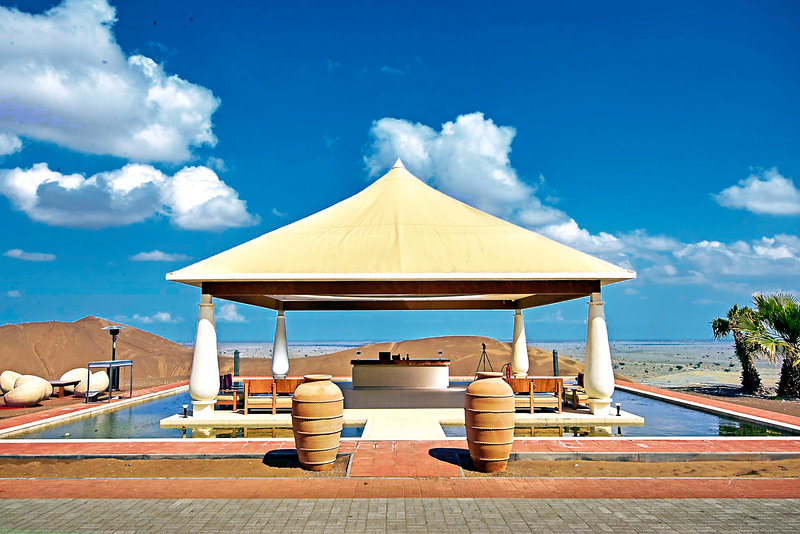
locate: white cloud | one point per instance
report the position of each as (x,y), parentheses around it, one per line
(570,232)
(9,143)
(769,256)
(278,213)
(20,254)
(194,198)
(765,192)
(67,81)
(157,317)
(13,293)
(229,314)
(157,255)
(467,158)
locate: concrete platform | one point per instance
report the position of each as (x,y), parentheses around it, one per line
(403,424)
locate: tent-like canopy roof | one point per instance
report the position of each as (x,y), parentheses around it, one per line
(400,244)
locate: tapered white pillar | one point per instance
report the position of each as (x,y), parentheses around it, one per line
(280,352)
(204,380)
(598,379)
(519,348)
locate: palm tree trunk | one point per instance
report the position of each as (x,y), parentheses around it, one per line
(751,381)
(789,384)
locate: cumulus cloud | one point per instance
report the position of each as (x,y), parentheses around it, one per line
(766,192)
(9,143)
(20,254)
(13,293)
(768,256)
(157,255)
(66,80)
(194,198)
(469,158)
(570,232)
(229,314)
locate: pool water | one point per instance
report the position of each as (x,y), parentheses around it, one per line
(661,419)
(142,421)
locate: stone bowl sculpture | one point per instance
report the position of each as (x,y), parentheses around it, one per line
(24,379)
(7,379)
(97,382)
(28,394)
(79,373)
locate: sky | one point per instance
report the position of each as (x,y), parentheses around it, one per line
(139,137)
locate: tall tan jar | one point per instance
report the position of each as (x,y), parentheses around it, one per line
(317,415)
(489,415)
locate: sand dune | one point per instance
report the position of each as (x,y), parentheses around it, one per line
(49,349)
(462,351)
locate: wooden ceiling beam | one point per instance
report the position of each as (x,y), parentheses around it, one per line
(405,287)
(542,300)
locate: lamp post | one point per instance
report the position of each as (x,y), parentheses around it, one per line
(114,331)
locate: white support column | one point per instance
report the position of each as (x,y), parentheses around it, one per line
(204,380)
(519,348)
(598,379)
(280,351)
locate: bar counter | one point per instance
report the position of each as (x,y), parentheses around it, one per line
(432,373)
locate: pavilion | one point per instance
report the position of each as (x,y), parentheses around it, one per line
(399,244)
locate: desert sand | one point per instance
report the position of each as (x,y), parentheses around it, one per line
(49,349)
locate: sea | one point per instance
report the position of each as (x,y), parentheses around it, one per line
(680,351)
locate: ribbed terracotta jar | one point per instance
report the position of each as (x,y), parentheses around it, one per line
(317,415)
(489,417)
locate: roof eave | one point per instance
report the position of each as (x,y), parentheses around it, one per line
(196,280)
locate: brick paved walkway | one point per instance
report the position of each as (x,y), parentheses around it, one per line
(401,515)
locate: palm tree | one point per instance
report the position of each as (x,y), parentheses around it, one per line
(723,327)
(774,330)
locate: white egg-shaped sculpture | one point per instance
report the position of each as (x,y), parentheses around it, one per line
(28,394)
(7,379)
(97,382)
(24,379)
(79,373)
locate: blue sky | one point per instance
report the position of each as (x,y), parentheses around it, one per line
(660,136)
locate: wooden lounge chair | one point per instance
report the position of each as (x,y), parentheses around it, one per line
(257,393)
(228,395)
(537,392)
(269,393)
(282,392)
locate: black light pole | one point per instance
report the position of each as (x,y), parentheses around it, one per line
(114,378)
